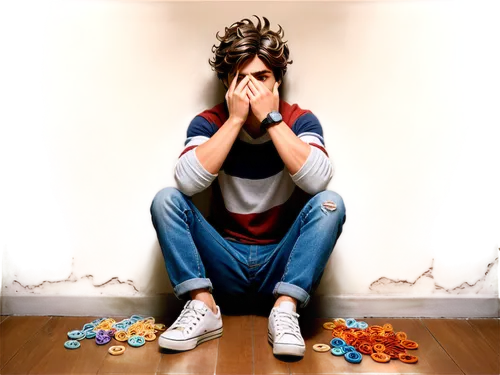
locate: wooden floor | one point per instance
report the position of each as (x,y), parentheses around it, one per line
(34,345)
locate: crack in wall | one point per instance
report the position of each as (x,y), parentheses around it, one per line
(72,279)
(382,282)
(112,281)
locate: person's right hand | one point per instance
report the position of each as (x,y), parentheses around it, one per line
(238,103)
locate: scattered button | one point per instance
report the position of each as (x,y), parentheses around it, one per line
(382,343)
(337,342)
(361,325)
(349,348)
(353,357)
(408,358)
(321,348)
(136,341)
(116,350)
(338,351)
(380,357)
(72,344)
(121,336)
(76,335)
(103,339)
(350,323)
(329,325)
(409,344)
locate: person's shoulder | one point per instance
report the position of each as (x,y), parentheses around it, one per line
(293,112)
(217,115)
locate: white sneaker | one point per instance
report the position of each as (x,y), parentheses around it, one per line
(283,331)
(196,324)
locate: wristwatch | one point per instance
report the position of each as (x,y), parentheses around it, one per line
(272,118)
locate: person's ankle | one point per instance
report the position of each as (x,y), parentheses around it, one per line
(210,304)
(206,297)
(283,298)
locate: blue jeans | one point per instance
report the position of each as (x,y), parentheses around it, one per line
(197,256)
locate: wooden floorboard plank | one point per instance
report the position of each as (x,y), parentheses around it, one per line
(489,329)
(264,360)
(60,360)
(15,332)
(3,317)
(142,360)
(235,346)
(326,363)
(470,351)
(200,360)
(45,353)
(432,358)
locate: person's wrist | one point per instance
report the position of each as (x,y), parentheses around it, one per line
(262,118)
(236,121)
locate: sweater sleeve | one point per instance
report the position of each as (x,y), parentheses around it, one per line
(190,176)
(317,170)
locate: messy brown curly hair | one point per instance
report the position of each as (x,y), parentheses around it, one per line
(244,40)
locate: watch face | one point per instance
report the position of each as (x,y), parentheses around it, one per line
(275,116)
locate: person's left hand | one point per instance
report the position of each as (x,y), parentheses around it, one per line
(262,100)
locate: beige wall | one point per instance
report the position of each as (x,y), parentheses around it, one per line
(97,96)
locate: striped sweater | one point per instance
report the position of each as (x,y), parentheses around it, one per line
(255,199)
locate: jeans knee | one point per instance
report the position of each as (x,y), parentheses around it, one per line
(330,201)
(164,198)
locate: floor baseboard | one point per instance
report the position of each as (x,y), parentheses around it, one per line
(324,306)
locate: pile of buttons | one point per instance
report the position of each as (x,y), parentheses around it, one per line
(136,330)
(351,339)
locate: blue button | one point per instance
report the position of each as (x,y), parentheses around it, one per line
(349,348)
(362,325)
(136,341)
(351,323)
(339,350)
(353,357)
(97,321)
(135,318)
(88,326)
(337,342)
(71,344)
(76,335)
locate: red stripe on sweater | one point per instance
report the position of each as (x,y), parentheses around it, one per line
(187,149)
(320,147)
(218,114)
(259,228)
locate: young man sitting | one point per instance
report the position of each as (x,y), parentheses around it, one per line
(272,225)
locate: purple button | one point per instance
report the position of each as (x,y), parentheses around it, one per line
(101,340)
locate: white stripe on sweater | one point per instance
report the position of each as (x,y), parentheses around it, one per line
(312,139)
(245,196)
(312,134)
(195,141)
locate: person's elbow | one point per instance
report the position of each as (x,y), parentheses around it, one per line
(190,177)
(186,185)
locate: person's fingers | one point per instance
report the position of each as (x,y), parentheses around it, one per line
(241,85)
(252,88)
(258,85)
(233,83)
(275,88)
(250,94)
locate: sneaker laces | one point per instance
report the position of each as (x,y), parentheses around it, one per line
(187,318)
(287,323)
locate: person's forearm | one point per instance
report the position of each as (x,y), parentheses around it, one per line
(213,152)
(292,150)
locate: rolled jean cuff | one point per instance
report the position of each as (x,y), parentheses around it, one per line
(192,284)
(293,291)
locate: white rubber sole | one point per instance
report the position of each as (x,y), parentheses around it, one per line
(286,349)
(188,344)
